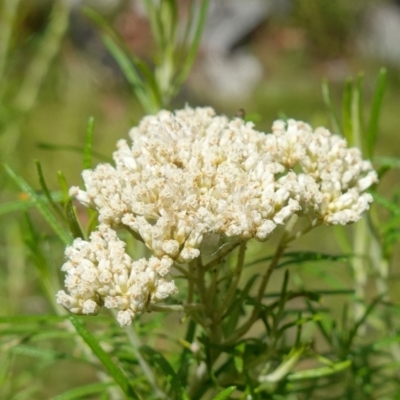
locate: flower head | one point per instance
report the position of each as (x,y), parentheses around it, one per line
(193,174)
(99,272)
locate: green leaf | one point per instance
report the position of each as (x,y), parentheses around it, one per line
(225,393)
(169,18)
(23,205)
(326,95)
(187,354)
(83,391)
(130,72)
(73,148)
(46,191)
(28,319)
(42,206)
(191,55)
(385,164)
(36,352)
(360,322)
(312,295)
(356,113)
(147,91)
(394,208)
(62,181)
(88,148)
(115,372)
(299,322)
(326,333)
(153,13)
(233,313)
(298,257)
(73,222)
(238,355)
(376,111)
(156,358)
(320,372)
(347,121)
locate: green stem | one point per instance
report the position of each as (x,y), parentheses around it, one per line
(359,268)
(39,67)
(9,12)
(226,303)
(37,70)
(144,366)
(190,293)
(285,239)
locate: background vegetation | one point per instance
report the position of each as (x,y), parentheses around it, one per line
(56,72)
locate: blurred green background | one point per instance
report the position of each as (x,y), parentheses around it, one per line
(276,66)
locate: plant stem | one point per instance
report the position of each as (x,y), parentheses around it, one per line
(226,303)
(36,72)
(286,237)
(359,269)
(9,11)
(144,366)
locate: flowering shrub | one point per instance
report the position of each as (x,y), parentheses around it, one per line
(174,225)
(193,176)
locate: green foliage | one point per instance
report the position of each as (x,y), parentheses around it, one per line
(244,331)
(174,56)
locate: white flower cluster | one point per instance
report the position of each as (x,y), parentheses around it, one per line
(99,272)
(193,173)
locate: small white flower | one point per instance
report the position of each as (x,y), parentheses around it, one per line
(191,175)
(105,275)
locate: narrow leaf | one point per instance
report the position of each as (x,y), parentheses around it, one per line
(83,391)
(225,393)
(346,112)
(320,372)
(42,206)
(376,111)
(63,186)
(68,147)
(23,205)
(158,359)
(73,222)
(326,95)
(46,191)
(187,354)
(104,358)
(88,148)
(356,111)
(191,55)
(28,319)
